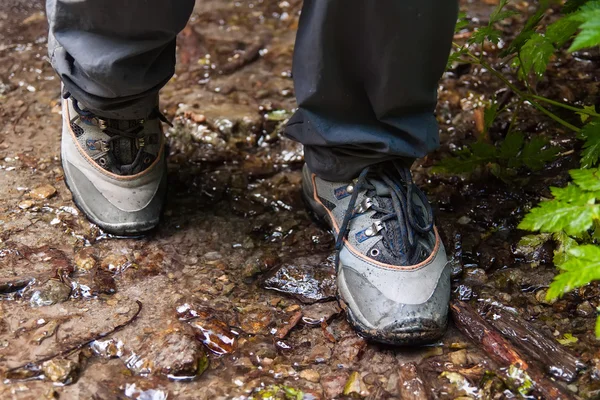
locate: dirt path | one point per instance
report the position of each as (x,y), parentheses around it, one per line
(234,225)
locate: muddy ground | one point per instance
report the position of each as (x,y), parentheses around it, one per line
(237,261)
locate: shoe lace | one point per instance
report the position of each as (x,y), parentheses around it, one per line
(132,133)
(403,222)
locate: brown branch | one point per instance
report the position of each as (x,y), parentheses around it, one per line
(468,321)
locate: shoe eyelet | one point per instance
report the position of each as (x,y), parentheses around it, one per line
(147,160)
(374,252)
(102,161)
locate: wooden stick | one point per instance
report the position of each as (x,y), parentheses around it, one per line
(469,322)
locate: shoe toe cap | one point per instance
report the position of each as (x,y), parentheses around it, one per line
(392,308)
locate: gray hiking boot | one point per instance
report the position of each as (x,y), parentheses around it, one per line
(115,169)
(392,271)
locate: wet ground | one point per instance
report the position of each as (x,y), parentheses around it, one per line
(233,295)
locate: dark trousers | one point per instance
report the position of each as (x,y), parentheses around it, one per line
(365,71)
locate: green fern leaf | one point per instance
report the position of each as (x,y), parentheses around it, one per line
(554,216)
(461,23)
(589,16)
(510,147)
(565,243)
(485,33)
(591,148)
(529,29)
(561,31)
(573,194)
(582,267)
(536,153)
(535,54)
(587,179)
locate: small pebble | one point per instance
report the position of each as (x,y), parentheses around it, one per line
(42,192)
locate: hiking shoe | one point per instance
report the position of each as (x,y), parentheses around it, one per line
(115,169)
(392,273)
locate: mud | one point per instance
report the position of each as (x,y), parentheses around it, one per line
(236,283)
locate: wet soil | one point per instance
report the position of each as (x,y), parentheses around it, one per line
(235,286)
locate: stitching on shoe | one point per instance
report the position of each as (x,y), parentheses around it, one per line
(90,161)
(374,263)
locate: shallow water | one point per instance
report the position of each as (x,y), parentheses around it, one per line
(237,259)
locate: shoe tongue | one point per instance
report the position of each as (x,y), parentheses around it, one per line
(381,194)
(124,148)
(381,189)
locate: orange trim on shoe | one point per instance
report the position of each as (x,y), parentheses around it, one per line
(90,160)
(354,251)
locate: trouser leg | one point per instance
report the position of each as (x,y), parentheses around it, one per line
(115,55)
(366,75)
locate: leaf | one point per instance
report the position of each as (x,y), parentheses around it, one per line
(597,327)
(495,15)
(461,22)
(589,36)
(565,243)
(466,160)
(591,148)
(580,269)
(455,57)
(567,339)
(535,54)
(561,31)
(485,33)
(573,194)
(587,179)
(535,156)
(585,116)
(528,30)
(554,216)
(510,147)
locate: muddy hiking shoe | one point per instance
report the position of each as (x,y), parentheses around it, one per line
(392,272)
(115,169)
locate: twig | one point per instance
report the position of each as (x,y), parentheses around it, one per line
(83,344)
(498,348)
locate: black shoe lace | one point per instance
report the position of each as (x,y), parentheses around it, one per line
(131,133)
(401,225)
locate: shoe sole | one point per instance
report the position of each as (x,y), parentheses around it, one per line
(420,337)
(128,231)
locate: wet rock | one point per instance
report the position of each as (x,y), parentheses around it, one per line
(84,259)
(310,375)
(50,292)
(42,192)
(26,204)
(475,277)
(257,264)
(110,348)
(93,284)
(349,349)
(60,370)
(540,296)
(316,313)
(45,331)
(585,309)
(216,335)
(536,249)
(133,392)
(333,384)
(255,321)
(115,263)
(308,279)
(318,354)
(173,353)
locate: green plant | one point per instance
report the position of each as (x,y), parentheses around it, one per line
(572,216)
